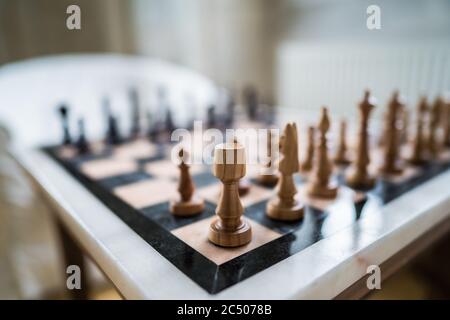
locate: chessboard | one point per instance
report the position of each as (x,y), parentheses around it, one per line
(136,180)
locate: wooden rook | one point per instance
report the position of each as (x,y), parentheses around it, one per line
(446,124)
(320,185)
(434,144)
(307,164)
(384,130)
(285,206)
(391,165)
(230,229)
(405,126)
(268,178)
(341,157)
(358,176)
(419,154)
(188,203)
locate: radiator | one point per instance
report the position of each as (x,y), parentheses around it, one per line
(310,76)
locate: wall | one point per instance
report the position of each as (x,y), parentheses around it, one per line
(31,28)
(231,41)
(327,56)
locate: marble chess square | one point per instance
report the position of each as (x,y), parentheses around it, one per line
(135,150)
(160,213)
(196,236)
(124,179)
(67,152)
(146,193)
(103,168)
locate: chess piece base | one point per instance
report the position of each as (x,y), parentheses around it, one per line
(418,161)
(323,192)
(269,180)
(187,208)
(395,170)
(305,167)
(341,161)
(276,211)
(230,238)
(359,181)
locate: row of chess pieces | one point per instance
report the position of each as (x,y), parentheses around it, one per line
(431,136)
(230,229)
(159,131)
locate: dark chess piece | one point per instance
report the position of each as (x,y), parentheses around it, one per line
(81,144)
(251,102)
(169,125)
(211,119)
(151,132)
(112,132)
(135,113)
(64,113)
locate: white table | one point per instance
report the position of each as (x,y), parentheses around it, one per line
(332,267)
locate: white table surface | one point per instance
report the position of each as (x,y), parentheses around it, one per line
(322,270)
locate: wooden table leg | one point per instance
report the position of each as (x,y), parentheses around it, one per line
(73,256)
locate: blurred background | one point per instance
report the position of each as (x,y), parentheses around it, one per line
(298,54)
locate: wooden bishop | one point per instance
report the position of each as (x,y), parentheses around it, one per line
(435,119)
(230,229)
(320,186)
(187,203)
(341,157)
(307,164)
(390,165)
(419,154)
(446,124)
(358,176)
(285,206)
